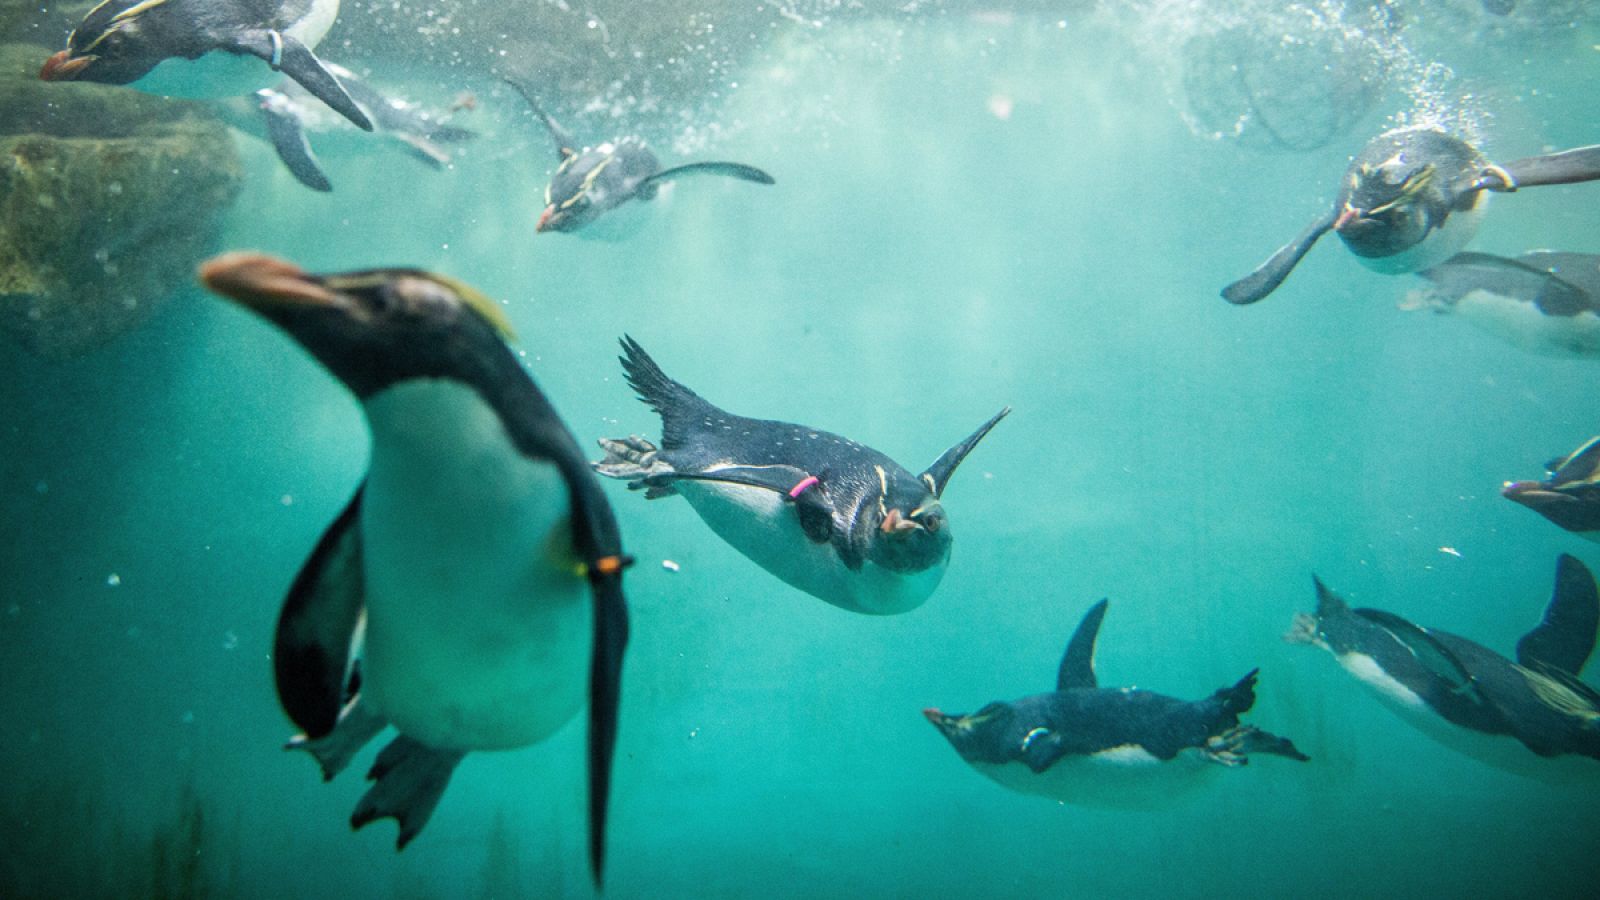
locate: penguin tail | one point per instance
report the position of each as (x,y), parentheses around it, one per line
(677,405)
(1237,700)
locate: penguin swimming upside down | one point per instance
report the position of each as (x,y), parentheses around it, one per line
(1412,199)
(593,182)
(202,48)
(834,518)
(470,593)
(1111,747)
(1570,497)
(1469,697)
(1544,301)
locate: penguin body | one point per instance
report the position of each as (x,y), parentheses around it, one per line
(1412,199)
(1112,747)
(1544,302)
(1517,716)
(591,191)
(832,517)
(204,48)
(1570,496)
(470,593)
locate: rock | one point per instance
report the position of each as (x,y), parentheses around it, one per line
(108,199)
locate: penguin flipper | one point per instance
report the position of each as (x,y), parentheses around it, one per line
(424,150)
(938,474)
(289,140)
(566,148)
(288,55)
(1266,278)
(605,693)
(333,752)
(1077,665)
(1551,294)
(727,169)
(1567,167)
(805,491)
(409,778)
(1429,651)
(317,630)
(1565,636)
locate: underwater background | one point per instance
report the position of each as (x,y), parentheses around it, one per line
(977,205)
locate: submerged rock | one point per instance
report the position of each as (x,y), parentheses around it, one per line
(108,199)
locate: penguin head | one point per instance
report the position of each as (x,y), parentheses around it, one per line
(983,736)
(579,191)
(373,328)
(912,532)
(119,42)
(1401,188)
(1570,497)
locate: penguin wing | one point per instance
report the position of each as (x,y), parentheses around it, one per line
(1266,278)
(729,169)
(605,695)
(1551,294)
(289,140)
(312,650)
(288,55)
(807,492)
(1077,664)
(1566,167)
(1565,637)
(566,148)
(938,475)
(1429,651)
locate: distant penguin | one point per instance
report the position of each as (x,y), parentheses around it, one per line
(1469,697)
(1412,199)
(286,118)
(202,48)
(835,519)
(1111,747)
(591,183)
(1570,497)
(473,582)
(1543,302)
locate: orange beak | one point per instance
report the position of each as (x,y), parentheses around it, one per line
(933,715)
(1349,215)
(259,281)
(62,66)
(544,219)
(894,523)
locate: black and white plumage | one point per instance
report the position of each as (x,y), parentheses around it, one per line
(204,48)
(1519,716)
(1570,495)
(1543,301)
(1411,199)
(591,183)
(832,517)
(1114,747)
(474,579)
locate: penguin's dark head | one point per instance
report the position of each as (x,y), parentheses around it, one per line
(983,736)
(1402,187)
(579,191)
(371,328)
(1570,497)
(119,42)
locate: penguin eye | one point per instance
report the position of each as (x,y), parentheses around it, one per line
(932,522)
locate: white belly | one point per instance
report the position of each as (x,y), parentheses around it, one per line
(1120,778)
(1524,326)
(477,624)
(762,525)
(1437,247)
(223,74)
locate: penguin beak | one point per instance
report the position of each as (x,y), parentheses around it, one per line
(1531,493)
(1350,214)
(933,715)
(262,282)
(894,523)
(544,218)
(63,66)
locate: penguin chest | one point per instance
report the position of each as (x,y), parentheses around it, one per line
(1122,777)
(765,528)
(477,623)
(222,73)
(1522,324)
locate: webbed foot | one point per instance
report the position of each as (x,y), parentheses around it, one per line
(636,459)
(1234,746)
(334,750)
(410,778)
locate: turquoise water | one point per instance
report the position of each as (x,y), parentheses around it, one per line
(972,210)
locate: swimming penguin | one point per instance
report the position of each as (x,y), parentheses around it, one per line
(470,593)
(594,181)
(287,118)
(1543,302)
(1114,747)
(838,520)
(1412,199)
(202,48)
(1570,497)
(1469,697)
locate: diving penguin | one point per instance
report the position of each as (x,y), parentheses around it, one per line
(202,48)
(838,520)
(593,182)
(1544,302)
(1412,199)
(1110,747)
(470,593)
(1469,697)
(1570,497)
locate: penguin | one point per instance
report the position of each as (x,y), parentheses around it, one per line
(202,48)
(1570,497)
(1412,199)
(590,184)
(1518,716)
(1108,747)
(470,592)
(284,117)
(834,518)
(1544,302)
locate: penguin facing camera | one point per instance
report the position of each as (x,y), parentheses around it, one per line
(1544,302)
(1570,496)
(204,48)
(1411,199)
(1108,747)
(470,593)
(1518,716)
(834,518)
(590,184)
